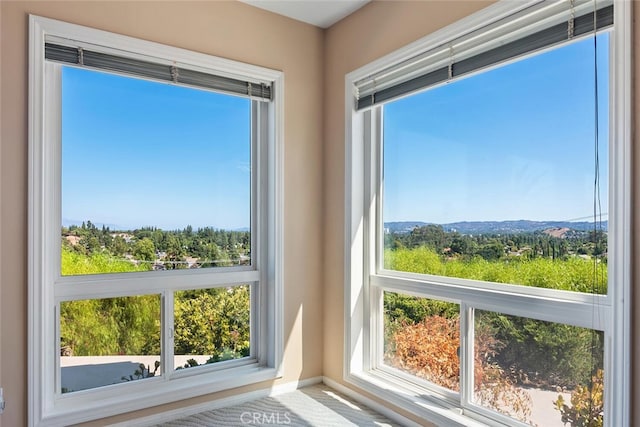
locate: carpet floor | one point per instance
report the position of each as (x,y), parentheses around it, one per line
(317,405)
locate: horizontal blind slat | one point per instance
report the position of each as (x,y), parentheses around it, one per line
(126,65)
(545,38)
(156,71)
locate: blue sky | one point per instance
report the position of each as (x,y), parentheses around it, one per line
(139,153)
(516,142)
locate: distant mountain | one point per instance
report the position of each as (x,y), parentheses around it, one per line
(495,227)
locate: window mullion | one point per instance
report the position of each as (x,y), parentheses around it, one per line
(57,371)
(373,329)
(466,354)
(371,196)
(49,199)
(168,334)
(256,177)
(617,354)
(369,322)
(377,187)
(259,236)
(254,315)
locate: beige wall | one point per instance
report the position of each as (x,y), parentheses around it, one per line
(375,30)
(227,29)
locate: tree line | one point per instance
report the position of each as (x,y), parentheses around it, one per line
(168,249)
(495,246)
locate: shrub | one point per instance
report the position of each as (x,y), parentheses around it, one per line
(213,322)
(573,274)
(110,326)
(497,390)
(429,349)
(587,404)
(550,353)
(74,263)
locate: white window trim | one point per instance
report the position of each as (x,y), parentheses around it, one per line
(363,277)
(48,407)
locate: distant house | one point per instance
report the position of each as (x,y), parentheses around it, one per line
(125,236)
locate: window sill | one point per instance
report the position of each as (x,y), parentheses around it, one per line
(414,400)
(113,400)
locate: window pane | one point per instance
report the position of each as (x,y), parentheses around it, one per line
(154,176)
(523,366)
(492,177)
(422,337)
(211,325)
(109,341)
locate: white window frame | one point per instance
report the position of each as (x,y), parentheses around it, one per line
(365,279)
(47,288)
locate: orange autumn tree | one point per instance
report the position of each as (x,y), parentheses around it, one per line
(429,349)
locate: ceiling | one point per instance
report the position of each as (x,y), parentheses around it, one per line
(321,13)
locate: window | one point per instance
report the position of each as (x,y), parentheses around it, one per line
(488,193)
(155,227)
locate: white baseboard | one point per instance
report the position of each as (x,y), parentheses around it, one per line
(174,414)
(370,403)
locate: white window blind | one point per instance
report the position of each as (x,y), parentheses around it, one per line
(503,40)
(97,60)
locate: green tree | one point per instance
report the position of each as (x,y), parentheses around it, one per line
(493,250)
(118,246)
(144,250)
(431,235)
(463,245)
(210,321)
(90,244)
(175,253)
(111,326)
